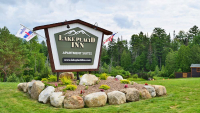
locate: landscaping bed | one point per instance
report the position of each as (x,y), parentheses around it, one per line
(115,85)
(90,91)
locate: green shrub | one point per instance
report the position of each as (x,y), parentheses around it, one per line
(131,79)
(151,74)
(52,78)
(66,81)
(172,75)
(13,78)
(105,87)
(97,82)
(144,76)
(71,87)
(27,78)
(37,78)
(132,82)
(21,79)
(86,87)
(97,75)
(135,76)
(77,82)
(157,72)
(179,70)
(125,81)
(1,79)
(103,76)
(44,80)
(31,78)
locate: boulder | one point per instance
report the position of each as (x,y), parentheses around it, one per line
(19,86)
(36,89)
(30,86)
(44,96)
(88,79)
(151,90)
(67,75)
(110,77)
(56,99)
(160,90)
(116,97)
(132,94)
(145,94)
(96,99)
(73,102)
(25,87)
(119,77)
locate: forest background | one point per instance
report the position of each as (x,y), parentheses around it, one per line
(144,56)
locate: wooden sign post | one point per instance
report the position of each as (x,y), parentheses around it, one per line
(75,47)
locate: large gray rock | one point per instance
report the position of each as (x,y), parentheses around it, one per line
(67,75)
(88,79)
(132,94)
(145,94)
(116,97)
(56,99)
(119,77)
(160,90)
(30,86)
(96,99)
(19,86)
(74,102)
(44,96)
(151,90)
(110,77)
(25,87)
(36,89)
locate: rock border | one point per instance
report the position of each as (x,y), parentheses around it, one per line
(38,91)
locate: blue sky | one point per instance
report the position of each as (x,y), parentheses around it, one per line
(127,17)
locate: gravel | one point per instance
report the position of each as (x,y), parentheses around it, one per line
(115,85)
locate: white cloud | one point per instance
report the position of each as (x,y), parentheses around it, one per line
(125,17)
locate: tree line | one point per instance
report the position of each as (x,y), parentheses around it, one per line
(22,59)
(160,54)
(144,53)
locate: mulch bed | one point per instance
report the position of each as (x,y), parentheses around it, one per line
(115,85)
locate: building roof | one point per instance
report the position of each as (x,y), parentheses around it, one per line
(195,65)
(106,32)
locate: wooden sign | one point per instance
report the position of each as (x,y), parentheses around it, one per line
(77,48)
(184,75)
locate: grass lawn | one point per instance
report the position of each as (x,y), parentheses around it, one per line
(183,95)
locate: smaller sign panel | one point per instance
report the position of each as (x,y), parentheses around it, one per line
(76,47)
(184,75)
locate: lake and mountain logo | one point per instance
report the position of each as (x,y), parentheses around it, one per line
(74,32)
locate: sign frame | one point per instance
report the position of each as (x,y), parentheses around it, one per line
(45,27)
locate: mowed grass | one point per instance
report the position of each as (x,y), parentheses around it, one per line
(183,95)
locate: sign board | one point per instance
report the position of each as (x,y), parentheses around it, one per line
(77,48)
(184,75)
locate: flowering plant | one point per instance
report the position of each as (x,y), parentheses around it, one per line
(146,84)
(125,86)
(102,90)
(82,91)
(116,79)
(56,85)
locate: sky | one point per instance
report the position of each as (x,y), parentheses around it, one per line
(127,17)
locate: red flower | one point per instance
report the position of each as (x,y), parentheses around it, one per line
(146,84)
(116,79)
(125,86)
(82,91)
(56,85)
(102,90)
